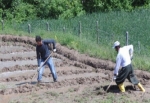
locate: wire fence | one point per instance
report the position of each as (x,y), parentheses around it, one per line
(89,31)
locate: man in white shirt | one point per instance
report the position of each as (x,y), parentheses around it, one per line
(123,59)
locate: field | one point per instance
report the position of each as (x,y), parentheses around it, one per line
(81,78)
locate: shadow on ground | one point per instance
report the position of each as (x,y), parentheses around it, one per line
(115,88)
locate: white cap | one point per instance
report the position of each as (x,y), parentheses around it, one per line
(117,43)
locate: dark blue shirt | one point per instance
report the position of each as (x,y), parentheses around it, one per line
(43,51)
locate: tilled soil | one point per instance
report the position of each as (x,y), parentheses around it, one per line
(81,78)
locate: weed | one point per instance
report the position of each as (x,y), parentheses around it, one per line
(54,94)
(71,89)
(3,87)
(34,95)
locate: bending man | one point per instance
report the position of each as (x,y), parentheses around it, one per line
(43,52)
(123,59)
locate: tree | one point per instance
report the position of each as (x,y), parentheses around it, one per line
(19,11)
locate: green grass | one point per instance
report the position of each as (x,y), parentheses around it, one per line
(54,94)
(3,87)
(112,26)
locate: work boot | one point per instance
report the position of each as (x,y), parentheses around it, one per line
(141,87)
(38,83)
(55,80)
(121,87)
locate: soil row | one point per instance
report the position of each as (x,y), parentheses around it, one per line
(46,75)
(16,44)
(69,82)
(16,58)
(18,68)
(71,54)
(57,63)
(13,51)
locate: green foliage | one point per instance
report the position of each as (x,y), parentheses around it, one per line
(139,3)
(93,5)
(7,15)
(22,10)
(119,5)
(5,4)
(19,11)
(1,11)
(106,5)
(62,9)
(59,9)
(72,8)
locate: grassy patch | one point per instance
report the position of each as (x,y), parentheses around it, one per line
(54,94)
(3,87)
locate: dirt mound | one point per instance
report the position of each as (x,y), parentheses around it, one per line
(10,38)
(71,54)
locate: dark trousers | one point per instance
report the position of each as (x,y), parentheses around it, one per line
(126,72)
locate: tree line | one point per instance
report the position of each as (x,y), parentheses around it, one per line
(22,10)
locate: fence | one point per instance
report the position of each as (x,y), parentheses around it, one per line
(91,32)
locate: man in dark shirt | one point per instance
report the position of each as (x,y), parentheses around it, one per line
(43,52)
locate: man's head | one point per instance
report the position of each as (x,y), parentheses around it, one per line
(38,40)
(116,45)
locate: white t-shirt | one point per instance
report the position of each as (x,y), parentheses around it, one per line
(123,57)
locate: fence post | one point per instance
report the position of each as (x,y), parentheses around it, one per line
(47,24)
(139,47)
(97,32)
(2,21)
(29,28)
(79,28)
(64,29)
(127,36)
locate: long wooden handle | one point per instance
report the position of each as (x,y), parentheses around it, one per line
(109,85)
(46,60)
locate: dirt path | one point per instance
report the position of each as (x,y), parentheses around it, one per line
(81,79)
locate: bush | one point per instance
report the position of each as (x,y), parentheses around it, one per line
(19,11)
(106,5)
(1,11)
(59,9)
(22,10)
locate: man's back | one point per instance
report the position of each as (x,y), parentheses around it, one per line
(125,55)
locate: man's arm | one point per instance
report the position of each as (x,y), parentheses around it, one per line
(130,48)
(49,41)
(118,62)
(38,57)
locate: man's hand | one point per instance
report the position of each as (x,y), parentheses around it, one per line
(131,56)
(54,50)
(114,78)
(38,69)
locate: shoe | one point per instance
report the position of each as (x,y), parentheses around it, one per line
(141,87)
(38,83)
(55,80)
(121,87)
